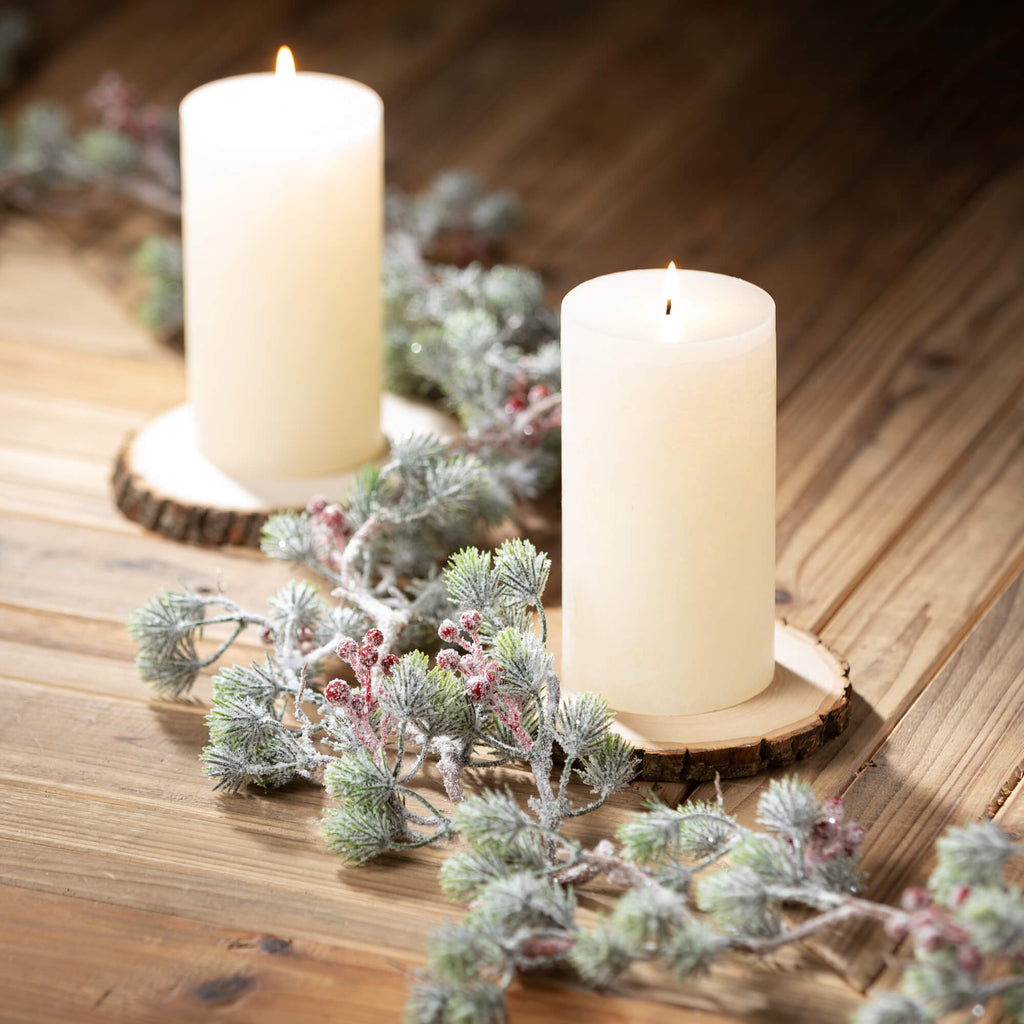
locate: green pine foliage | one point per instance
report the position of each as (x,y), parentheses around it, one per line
(130,151)
(487,699)
(744,885)
(974,855)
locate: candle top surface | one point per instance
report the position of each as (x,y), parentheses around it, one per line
(712,309)
(308,104)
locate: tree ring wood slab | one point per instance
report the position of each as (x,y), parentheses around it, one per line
(161,481)
(807,703)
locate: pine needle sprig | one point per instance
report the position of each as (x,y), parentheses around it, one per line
(745,884)
(488,698)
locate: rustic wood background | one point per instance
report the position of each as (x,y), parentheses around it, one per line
(862,162)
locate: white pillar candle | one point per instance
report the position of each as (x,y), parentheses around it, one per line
(668,491)
(282,220)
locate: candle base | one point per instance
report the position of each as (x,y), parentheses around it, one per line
(162,481)
(806,704)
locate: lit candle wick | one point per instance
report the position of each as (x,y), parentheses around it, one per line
(670,329)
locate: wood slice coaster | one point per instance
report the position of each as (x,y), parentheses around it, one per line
(161,481)
(807,703)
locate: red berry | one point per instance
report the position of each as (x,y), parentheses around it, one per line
(897,928)
(448,631)
(389,663)
(832,810)
(476,687)
(824,831)
(538,393)
(448,659)
(914,898)
(515,404)
(471,621)
(958,894)
(337,691)
(374,637)
(347,649)
(930,938)
(316,505)
(334,519)
(267,636)
(368,656)
(542,947)
(969,959)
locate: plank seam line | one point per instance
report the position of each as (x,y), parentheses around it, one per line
(851,88)
(51,449)
(1006,790)
(158,357)
(969,450)
(116,527)
(900,529)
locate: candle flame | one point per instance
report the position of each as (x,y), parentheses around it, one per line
(671,288)
(285,63)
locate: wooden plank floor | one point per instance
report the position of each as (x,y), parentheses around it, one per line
(864,163)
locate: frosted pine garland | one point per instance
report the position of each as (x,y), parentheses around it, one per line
(692,884)
(491,698)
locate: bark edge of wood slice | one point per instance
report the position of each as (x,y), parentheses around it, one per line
(806,704)
(178,519)
(162,482)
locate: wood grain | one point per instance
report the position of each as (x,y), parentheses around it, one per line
(906,617)
(76,959)
(963,746)
(906,394)
(897,478)
(235,863)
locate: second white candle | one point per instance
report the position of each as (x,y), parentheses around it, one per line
(668,492)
